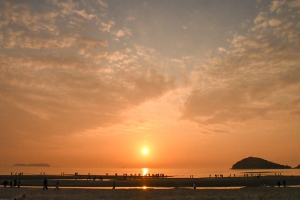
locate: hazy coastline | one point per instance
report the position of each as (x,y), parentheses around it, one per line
(32,165)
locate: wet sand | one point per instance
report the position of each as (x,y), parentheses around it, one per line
(166,188)
(120,181)
(251,193)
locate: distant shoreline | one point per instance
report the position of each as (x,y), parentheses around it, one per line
(31,165)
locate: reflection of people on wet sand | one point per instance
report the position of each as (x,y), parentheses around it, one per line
(57,185)
(278,183)
(5,183)
(284,183)
(45,184)
(194,185)
(19,183)
(114,185)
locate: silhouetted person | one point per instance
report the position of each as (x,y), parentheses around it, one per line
(15,182)
(114,185)
(57,185)
(284,183)
(278,183)
(45,184)
(19,183)
(194,185)
(5,183)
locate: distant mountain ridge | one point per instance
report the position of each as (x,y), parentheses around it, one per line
(257,163)
(32,165)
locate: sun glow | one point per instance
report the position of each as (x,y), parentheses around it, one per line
(145,171)
(145,151)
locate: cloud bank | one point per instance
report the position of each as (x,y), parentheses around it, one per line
(257,78)
(58,78)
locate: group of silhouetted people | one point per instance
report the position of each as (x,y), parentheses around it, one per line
(45,185)
(12,183)
(17,183)
(283,183)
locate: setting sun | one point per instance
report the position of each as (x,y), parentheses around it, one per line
(145,151)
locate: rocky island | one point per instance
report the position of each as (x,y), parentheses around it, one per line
(257,163)
(298,167)
(31,165)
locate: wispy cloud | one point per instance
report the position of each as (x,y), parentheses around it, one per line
(122,33)
(107,26)
(66,79)
(256,74)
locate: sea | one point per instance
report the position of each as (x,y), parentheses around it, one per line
(173,172)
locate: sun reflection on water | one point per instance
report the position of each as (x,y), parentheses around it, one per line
(145,171)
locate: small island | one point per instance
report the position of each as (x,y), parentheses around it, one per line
(31,165)
(298,167)
(257,163)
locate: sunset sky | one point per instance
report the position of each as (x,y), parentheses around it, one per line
(198,83)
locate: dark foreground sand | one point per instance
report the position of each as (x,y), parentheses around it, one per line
(175,188)
(252,193)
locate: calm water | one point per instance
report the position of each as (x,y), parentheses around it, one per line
(179,173)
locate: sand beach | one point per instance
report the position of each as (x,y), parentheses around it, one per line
(153,188)
(252,193)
